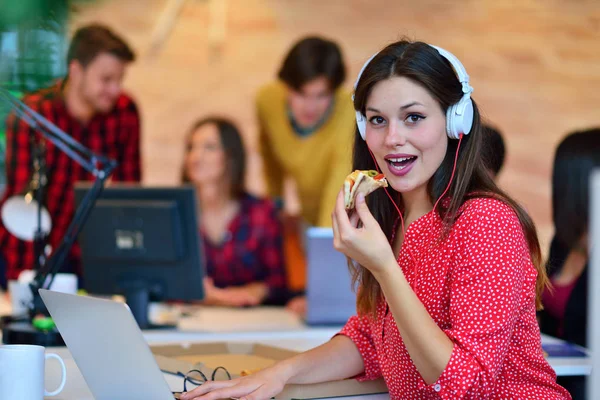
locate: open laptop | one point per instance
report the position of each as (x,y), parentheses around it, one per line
(108,347)
(330,298)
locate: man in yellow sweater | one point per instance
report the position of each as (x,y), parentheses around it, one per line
(307,127)
(306,132)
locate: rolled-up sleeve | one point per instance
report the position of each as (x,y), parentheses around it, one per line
(358,329)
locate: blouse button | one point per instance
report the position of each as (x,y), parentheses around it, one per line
(437,387)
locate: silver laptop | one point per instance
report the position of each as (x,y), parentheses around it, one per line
(330,298)
(108,347)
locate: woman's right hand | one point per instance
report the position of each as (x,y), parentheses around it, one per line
(262,385)
(337,359)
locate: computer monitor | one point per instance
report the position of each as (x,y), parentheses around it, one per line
(142,242)
(593,381)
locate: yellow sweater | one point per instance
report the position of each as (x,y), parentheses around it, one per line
(318,163)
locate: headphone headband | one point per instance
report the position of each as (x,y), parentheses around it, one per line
(458,68)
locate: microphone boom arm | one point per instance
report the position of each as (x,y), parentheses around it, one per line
(98,165)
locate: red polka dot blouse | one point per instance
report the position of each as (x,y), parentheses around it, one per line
(478,285)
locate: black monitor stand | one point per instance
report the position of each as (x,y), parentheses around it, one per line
(138,294)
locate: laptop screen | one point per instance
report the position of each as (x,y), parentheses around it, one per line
(330,298)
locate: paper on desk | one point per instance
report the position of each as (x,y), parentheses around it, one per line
(258,319)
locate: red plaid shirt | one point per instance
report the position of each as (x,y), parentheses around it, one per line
(251,251)
(115,134)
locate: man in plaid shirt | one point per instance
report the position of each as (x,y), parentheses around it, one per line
(90,106)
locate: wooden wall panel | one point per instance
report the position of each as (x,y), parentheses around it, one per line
(535,66)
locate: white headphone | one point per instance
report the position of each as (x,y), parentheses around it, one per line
(459,117)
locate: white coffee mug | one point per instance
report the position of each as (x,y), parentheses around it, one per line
(22,372)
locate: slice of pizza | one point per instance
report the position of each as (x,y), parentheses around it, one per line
(364,182)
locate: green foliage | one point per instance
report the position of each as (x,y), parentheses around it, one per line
(32,36)
(35,14)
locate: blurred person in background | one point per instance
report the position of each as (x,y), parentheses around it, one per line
(90,106)
(306,125)
(565,304)
(494,150)
(242,234)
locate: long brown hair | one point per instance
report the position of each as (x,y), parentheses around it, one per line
(424,65)
(575,158)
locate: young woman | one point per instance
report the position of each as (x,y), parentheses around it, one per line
(565,305)
(448,288)
(241,233)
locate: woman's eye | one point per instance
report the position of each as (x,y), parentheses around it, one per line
(377,120)
(414,118)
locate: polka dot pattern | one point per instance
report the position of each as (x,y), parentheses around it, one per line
(478,285)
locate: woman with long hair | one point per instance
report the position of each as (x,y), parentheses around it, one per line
(448,266)
(565,304)
(241,233)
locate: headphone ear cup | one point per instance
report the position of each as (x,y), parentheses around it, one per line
(361,123)
(459,118)
(467,116)
(450,121)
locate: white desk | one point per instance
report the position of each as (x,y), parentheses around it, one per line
(300,339)
(76,388)
(568,366)
(313,337)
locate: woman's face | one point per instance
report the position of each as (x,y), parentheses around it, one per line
(311,102)
(406,131)
(206,161)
